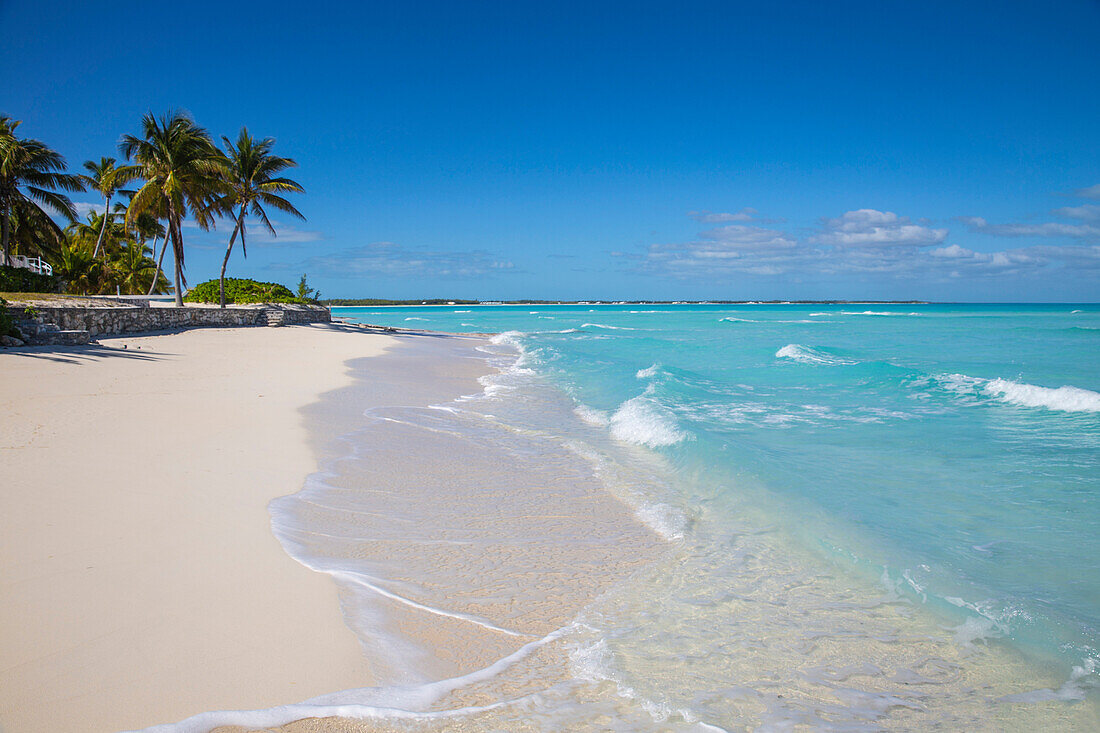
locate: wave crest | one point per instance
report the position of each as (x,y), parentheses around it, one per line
(1065,399)
(645,422)
(611,328)
(808,355)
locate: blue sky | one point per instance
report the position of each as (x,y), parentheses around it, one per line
(932,150)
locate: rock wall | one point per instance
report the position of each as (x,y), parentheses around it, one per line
(123,319)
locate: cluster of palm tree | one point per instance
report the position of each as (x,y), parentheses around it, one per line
(100,255)
(183,174)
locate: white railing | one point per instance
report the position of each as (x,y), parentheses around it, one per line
(34,264)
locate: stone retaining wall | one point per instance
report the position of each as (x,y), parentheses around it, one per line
(103,321)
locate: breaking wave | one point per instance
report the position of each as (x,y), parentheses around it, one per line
(610,328)
(1021,394)
(808,355)
(644,421)
(1066,399)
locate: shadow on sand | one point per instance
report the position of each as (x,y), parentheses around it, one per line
(97,351)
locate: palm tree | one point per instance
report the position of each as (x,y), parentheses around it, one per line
(133,269)
(147,224)
(78,268)
(250,173)
(178,161)
(107,178)
(102,229)
(33,234)
(29,174)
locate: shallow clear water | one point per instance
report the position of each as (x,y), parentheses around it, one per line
(946,456)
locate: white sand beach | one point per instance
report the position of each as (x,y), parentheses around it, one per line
(140,582)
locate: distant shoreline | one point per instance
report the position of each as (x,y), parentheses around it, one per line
(371,302)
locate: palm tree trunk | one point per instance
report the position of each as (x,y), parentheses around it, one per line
(5,225)
(177,252)
(102,229)
(156,273)
(177,256)
(228,250)
(225,261)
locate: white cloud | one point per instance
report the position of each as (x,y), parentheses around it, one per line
(286,233)
(1092,192)
(999,261)
(864,241)
(741,237)
(731,248)
(84,208)
(1087,232)
(393,260)
(1085,212)
(708,217)
(952,251)
(873,228)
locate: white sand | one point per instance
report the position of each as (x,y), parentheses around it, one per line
(139,580)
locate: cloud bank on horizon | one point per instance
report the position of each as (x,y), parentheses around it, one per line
(868,242)
(872,241)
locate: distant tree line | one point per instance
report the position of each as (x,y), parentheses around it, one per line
(385,301)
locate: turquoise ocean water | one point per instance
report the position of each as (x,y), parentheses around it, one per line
(950,453)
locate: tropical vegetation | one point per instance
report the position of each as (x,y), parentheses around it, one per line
(241,290)
(180,165)
(21,280)
(178,174)
(307,294)
(107,178)
(31,180)
(249,172)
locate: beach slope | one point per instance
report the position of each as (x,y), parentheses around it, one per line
(140,582)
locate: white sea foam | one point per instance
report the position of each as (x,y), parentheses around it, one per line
(509,338)
(1065,399)
(731,319)
(611,328)
(975,628)
(1081,680)
(401,702)
(807,355)
(649,371)
(664,519)
(877,313)
(643,421)
(1062,399)
(462,311)
(592,416)
(415,318)
(594,662)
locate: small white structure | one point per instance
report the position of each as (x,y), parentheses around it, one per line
(34,264)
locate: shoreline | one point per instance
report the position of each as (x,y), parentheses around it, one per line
(179,601)
(139,577)
(477,566)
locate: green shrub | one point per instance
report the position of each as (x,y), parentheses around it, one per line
(241,290)
(20,280)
